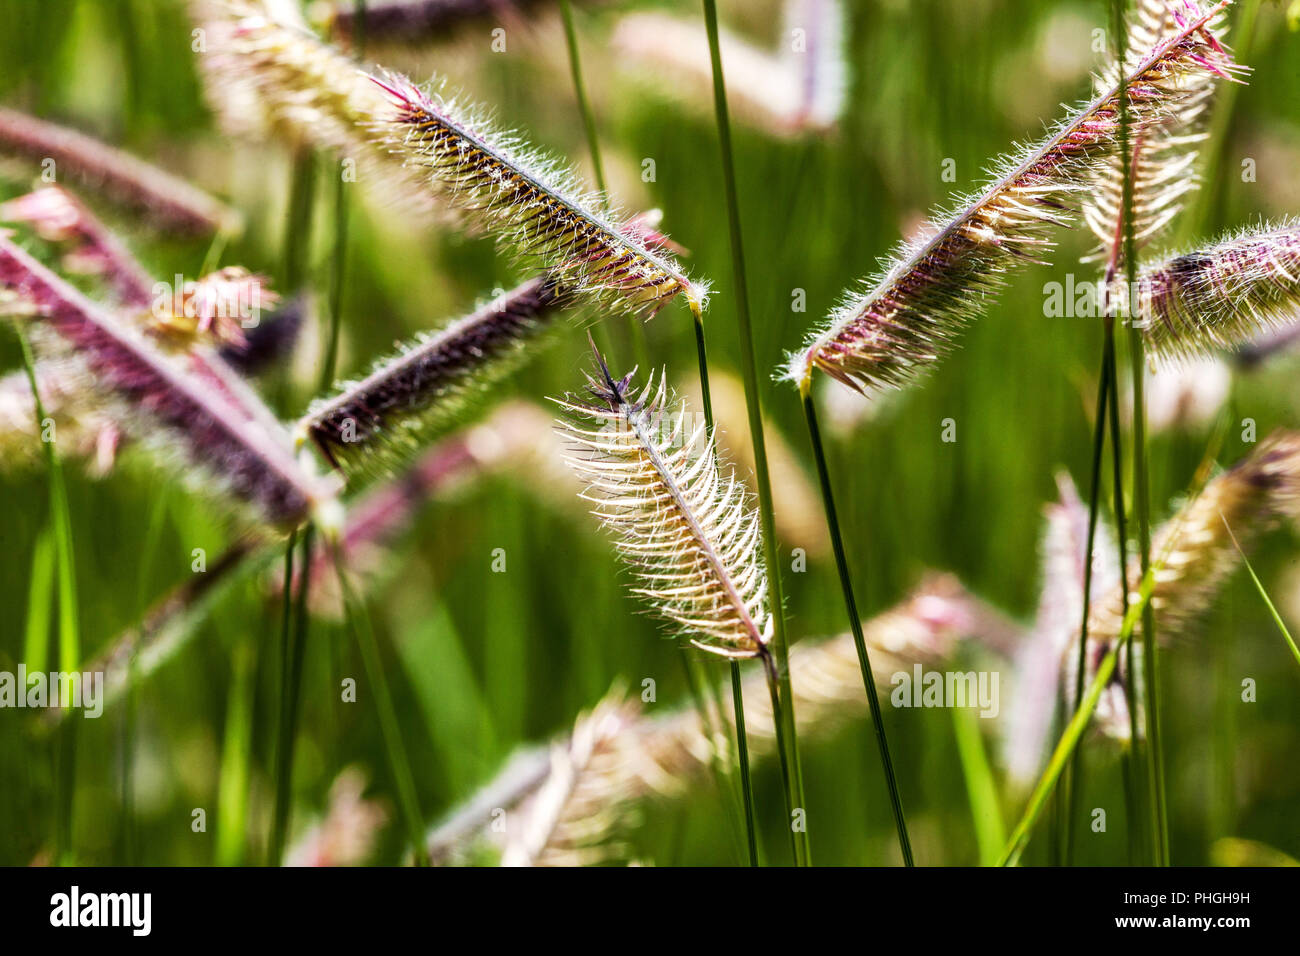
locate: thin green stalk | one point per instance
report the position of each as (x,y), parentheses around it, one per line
(855,622)
(216,249)
(69,620)
(1259,586)
(40,592)
(702,357)
(297,227)
(339,265)
(1073,732)
(737,698)
(753,402)
(1141,490)
(358,621)
(981,789)
(580,90)
(1203,199)
(148,556)
(1131,802)
(282,759)
(636,330)
(1079,722)
(742,758)
(340,252)
(297,235)
(236,748)
(782,750)
(695,676)
(1094,497)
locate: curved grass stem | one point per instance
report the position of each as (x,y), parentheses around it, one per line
(1065,747)
(1141,490)
(636,330)
(855,624)
(358,621)
(779,671)
(1104,388)
(737,698)
(69,615)
(283,770)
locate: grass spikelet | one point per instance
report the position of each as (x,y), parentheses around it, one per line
(164,404)
(268,77)
(908,317)
(1199,554)
(570,812)
(208,311)
(531,205)
(408,398)
(58,216)
(211,309)
(684,527)
(170,203)
(1223,296)
(799,518)
(1164,155)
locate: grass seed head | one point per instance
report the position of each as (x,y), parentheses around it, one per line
(908,317)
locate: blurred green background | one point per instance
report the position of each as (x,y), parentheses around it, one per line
(483,662)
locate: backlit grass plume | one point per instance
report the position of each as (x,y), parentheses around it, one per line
(182,318)
(685,528)
(534,207)
(408,398)
(1196,549)
(168,202)
(1164,154)
(264,76)
(162,401)
(908,317)
(1196,555)
(1223,296)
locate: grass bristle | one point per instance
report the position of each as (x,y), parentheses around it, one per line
(1164,155)
(58,216)
(685,528)
(1223,296)
(533,206)
(164,404)
(407,399)
(266,77)
(905,320)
